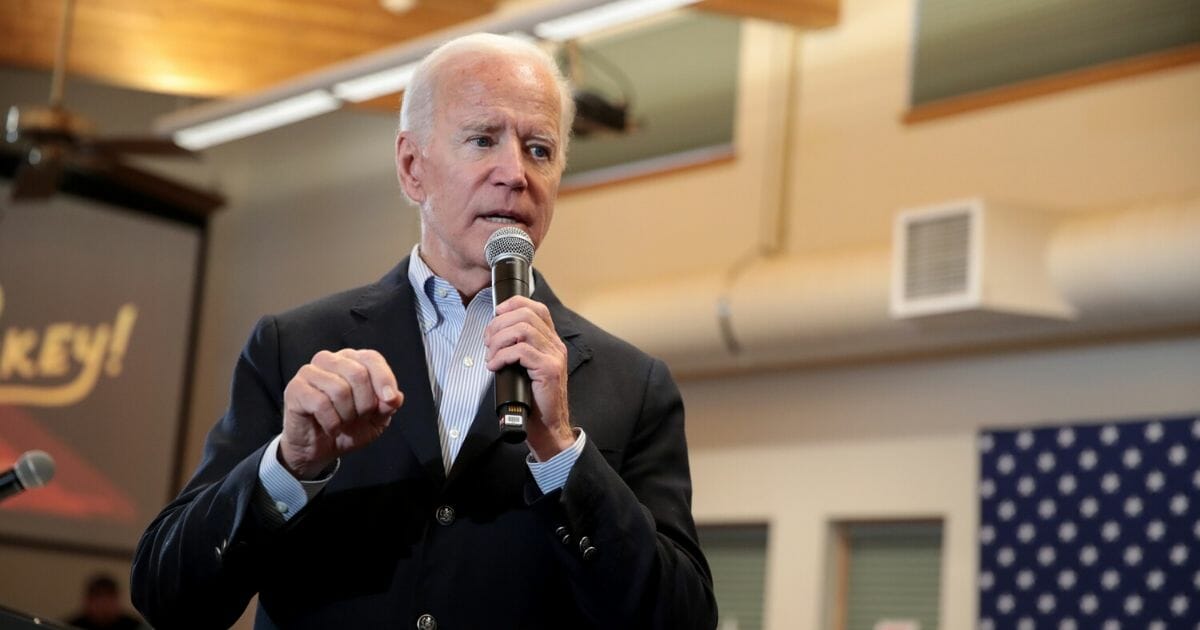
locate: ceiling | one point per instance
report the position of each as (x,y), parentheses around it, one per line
(212,48)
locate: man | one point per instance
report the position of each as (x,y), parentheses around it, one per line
(357,480)
(102,608)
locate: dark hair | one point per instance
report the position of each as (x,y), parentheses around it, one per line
(101,584)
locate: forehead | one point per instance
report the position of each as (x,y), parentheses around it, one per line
(489,88)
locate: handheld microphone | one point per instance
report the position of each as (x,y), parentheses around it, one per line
(32,470)
(509,252)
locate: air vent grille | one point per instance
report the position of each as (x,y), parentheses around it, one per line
(937,260)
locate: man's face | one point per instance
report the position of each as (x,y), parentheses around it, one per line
(491,160)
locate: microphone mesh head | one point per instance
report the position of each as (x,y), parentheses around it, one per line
(34,469)
(508,242)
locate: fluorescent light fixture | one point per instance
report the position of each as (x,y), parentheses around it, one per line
(604,16)
(376,84)
(256,120)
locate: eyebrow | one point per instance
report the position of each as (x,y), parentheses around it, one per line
(484,125)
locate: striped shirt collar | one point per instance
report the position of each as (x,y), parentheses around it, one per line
(434,293)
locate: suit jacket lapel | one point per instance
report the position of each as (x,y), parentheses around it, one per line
(387,315)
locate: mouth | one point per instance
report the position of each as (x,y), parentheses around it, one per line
(502,217)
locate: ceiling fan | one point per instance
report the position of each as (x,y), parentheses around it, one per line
(49,148)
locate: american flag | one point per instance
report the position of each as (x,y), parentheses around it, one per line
(1090,526)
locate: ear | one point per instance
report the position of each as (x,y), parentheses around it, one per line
(409,166)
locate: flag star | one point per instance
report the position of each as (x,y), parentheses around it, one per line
(1179,504)
(1110,483)
(1025,440)
(986,624)
(1025,579)
(987,488)
(1005,556)
(986,443)
(1026,532)
(1066,436)
(1088,459)
(1133,605)
(1157,624)
(1179,554)
(1045,461)
(1111,624)
(987,534)
(1046,556)
(1179,605)
(1089,506)
(1133,506)
(1196,529)
(1066,484)
(1155,579)
(1067,531)
(1047,508)
(987,580)
(1110,531)
(1067,623)
(1026,486)
(1155,530)
(1196,429)
(1005,463)
(1196,479)
(1177,455)
(1025,623)
(1088,555)
(1154,432)
(1088,604)
(1066,579)
(1109,435)
(1005,603)
(1155,481)
(1110,579)
(1196,580)
(1132,458)
(1133,555)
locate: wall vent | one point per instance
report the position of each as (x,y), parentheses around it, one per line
(971,256)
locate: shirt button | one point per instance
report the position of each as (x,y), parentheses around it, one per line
(453,434)
(468,361)
(282,507)
(442,292)
(426,622)
(444,515)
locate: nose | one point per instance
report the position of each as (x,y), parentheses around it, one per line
(509,167)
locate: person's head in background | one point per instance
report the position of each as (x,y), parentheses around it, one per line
(102,599)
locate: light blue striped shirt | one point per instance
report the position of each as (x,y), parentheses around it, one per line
(455,354)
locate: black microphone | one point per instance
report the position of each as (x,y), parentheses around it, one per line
(32,470)
(509,252)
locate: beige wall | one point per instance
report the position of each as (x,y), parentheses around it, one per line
(314,209)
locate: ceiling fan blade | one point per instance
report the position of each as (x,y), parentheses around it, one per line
(137,146)
(142,188)
(38,175)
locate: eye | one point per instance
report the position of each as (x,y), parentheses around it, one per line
(540,152)
(481,141)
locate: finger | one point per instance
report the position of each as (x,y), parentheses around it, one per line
(539,364)
(335,387)
(356,376)
(520,332)
(527,314)
(383,381)
(309,400)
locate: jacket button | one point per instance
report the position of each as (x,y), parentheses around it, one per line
(426,622)
(584,543)
(589,553)
(586,548)
(445,516)
(563,535)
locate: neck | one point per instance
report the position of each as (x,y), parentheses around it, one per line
(468,282)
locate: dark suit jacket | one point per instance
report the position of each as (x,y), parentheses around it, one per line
(370,550)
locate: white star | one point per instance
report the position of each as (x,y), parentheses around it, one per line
(1088,555)
(1025,623)
(1155,481)
(1110,483)
(1196,429)
(1088,459)
(1132,458)
(1006,510)
(1112,624)
(1109,435)
(1133,605)
(1026,532)
(1005,464)
(1045,461)
(1025,579)
(1196,479)
(1110,531)
(1066,579)
(1177,455)
(1004,603)
(1157,624)
(1179,605)
(1155,530)
(1067,531)
(1133,506)
(1089,506)
(1047,508)
(1154,432)
(1179,554)
(1067,623)
(1196,580)
(1005,556)
(1155,579)
(1196,529)
(1025,440)
(1026,486)
(986,624)
(1179,504)
(987,534)
(986,580)
(1088,604)
(1110,579)
(987,488)
(1133,555)
(1046,603)
(1046,556)
(1066,484)
(1066,436)
(986,442)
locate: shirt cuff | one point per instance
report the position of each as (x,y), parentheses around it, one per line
(285,495)
(551,474)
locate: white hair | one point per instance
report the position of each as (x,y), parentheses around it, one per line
(416,112)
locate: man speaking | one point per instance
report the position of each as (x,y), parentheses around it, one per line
(358,479)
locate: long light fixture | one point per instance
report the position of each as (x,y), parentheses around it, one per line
(386,71)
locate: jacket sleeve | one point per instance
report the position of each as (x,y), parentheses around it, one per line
(645,568)
(195,566)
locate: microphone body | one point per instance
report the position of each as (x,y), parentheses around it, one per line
(509,252)
(32,470)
